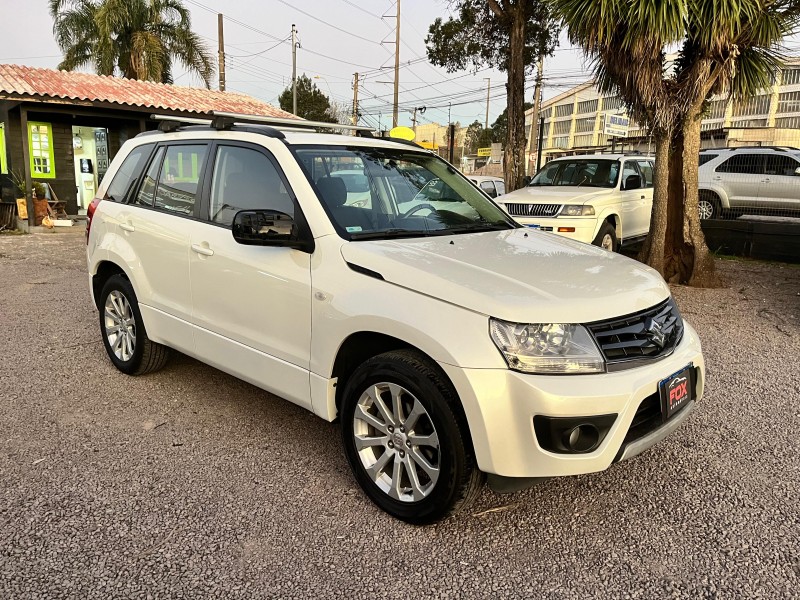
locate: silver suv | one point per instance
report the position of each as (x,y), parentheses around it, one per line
(738,179)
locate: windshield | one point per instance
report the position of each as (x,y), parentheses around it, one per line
(585,172)
(374,193)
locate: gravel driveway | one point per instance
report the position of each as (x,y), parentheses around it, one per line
(189,483)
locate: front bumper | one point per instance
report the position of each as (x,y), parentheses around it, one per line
(584,227)
(501,404)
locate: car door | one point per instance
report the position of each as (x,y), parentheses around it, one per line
(251,304)
(646,169)
(488,187)
(632,202)
(740,177)
(780,187)
(155,227)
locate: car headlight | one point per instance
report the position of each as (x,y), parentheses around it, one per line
(546,347)
(577,210)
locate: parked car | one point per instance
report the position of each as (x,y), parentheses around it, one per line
(452,345)
(765,179)
(602,199)
(493,186)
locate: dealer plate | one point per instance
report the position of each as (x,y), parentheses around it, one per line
(676,391)
(533,225)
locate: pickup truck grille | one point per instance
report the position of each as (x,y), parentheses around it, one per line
(628,341)
(532,210)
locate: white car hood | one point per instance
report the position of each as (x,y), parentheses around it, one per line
(555,195)
(516,275)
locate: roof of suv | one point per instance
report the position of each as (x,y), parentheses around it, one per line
(602,156)
(754,149)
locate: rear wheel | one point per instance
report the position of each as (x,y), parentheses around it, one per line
(607,238)
(122,328)
(407,446)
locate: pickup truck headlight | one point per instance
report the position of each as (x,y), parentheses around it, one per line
(546,347)
(577,210)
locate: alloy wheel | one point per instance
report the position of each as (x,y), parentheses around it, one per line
(396,442)
(120,326)
(706,208)
(607,243)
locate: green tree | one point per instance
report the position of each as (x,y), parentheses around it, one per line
(139,39)
(500,125)
(312,104)
(727,48)
(509,35)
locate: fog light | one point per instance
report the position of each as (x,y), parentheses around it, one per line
(566,230)
(583,438)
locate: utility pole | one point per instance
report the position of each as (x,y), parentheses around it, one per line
(414,120)
(537,103)
(294,69)
(396,66)
(488,89)
(221,58)
(355,99)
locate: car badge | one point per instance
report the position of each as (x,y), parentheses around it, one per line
(655,332)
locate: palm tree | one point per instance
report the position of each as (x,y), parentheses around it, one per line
(139,39)
(724,48)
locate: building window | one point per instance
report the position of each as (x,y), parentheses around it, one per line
(788,123)
(40,144)
(3,160)
(587,106)
(583,140)
(585,124)
(560,142)
(562,110)
(791,77)
(612,103)
(789,102)
(717,109)
(749,123)
(561,127)
(757,105)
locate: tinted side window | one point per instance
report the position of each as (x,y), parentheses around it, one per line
(705,157)
(743,163)
(628,169)
(128,173)
(245,179)
(180,178)
(781,165)
(145,195)
(501,187)
(488,187)
(646,169)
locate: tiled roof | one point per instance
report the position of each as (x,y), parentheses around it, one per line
(19,80)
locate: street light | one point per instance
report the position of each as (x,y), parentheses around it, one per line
(330,91)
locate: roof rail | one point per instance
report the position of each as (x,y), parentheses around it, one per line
(293,123)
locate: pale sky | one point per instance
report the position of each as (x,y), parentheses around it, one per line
(259,54)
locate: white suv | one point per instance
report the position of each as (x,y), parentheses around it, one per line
(451,343)
(600,199)
(763,178)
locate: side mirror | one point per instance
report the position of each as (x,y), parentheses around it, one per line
(267,228)
(633,182)
(526,181)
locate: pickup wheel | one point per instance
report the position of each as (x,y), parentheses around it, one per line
(407,446)
(607,238)
(122,328)
(709,205)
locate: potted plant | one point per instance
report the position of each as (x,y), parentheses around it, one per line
(39,202)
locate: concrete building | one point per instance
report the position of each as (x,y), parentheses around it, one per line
(574,121)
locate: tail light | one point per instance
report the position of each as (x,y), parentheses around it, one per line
(90,214)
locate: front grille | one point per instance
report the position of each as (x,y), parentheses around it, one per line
(648,335)
(533,210)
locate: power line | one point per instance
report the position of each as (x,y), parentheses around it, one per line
(331,25)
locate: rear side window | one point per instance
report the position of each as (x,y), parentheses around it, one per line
(705,157)
(130,170)
(752,164)
(148,188)
(501,187)
(179,179)
(245,179)
(780,164)
(646,169)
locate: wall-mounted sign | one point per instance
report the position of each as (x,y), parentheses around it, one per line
(101,149)
(485,151)
(617,125)
(86,165)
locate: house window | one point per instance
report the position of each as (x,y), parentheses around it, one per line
(3,160)
(40,142)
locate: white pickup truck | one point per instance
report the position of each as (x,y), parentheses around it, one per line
(602,199)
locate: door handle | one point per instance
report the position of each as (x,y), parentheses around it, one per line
(765,180)
(204,250)
(127,227)
(642,198)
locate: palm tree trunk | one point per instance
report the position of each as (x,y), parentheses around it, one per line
(652,252)
(514,154)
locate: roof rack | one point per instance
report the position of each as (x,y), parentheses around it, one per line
(751,148)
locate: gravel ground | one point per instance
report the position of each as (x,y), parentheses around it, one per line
(188,483)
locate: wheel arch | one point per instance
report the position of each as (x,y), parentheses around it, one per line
(104,270)
(716,191)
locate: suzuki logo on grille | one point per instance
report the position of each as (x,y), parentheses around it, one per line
(655,332)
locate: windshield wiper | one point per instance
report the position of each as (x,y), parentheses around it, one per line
(478,227)
(390,234)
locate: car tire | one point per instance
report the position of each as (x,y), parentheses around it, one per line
(123,332)
(407,442)
(709,206)
(607,238)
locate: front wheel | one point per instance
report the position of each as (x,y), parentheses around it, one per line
(607,238)
(709,206)
(408,447)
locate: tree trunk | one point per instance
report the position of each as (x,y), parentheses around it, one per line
(533,133)
(514,154)
(652,252)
